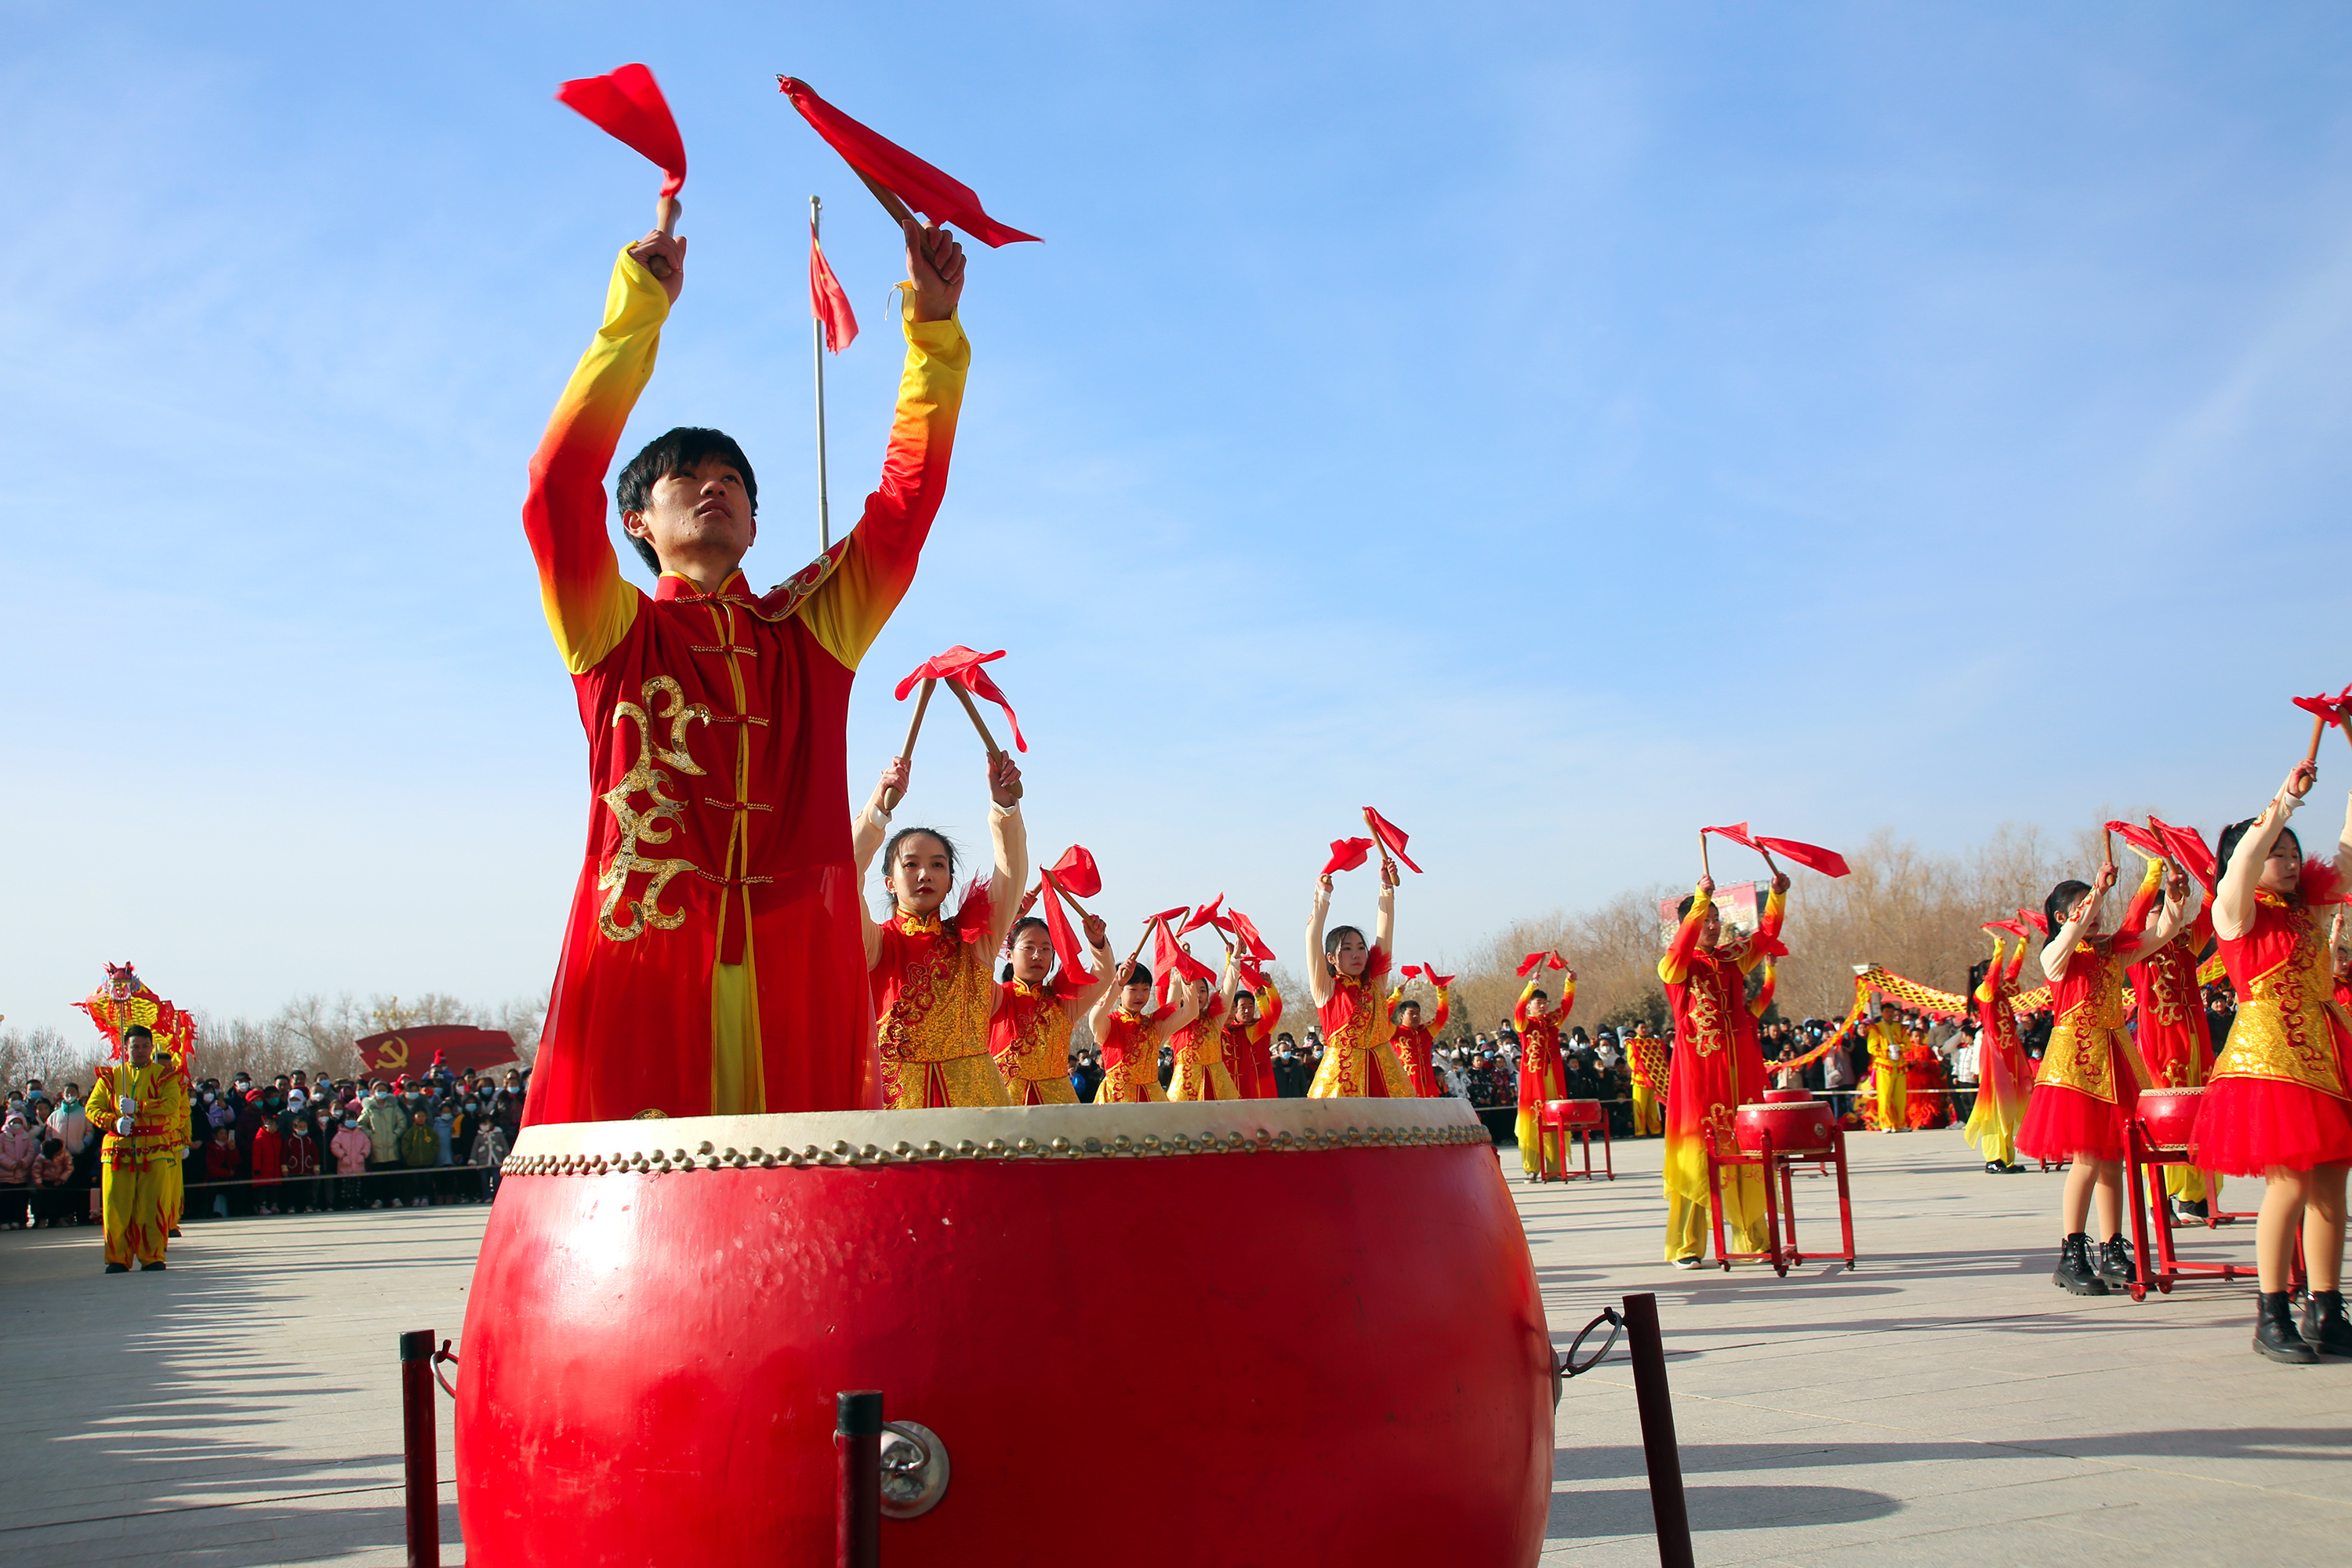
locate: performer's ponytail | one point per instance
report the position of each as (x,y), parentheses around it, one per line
(2060,904)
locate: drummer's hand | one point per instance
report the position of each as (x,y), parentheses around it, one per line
(1004,780)
(2299,780)
(664,255)
(1097,933)
(935,264)
(1028,902)
(895,774)
(1323,891)
(2103,879)
(1706,886)
(2176,890)
(1780,881)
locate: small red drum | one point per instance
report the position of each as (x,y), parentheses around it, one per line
(2169,1116)
(1576,1112)
(1788,1097)
(1795,1128)
(1264,1331)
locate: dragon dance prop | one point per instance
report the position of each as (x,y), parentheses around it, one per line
(126,1000)
(1652,1058)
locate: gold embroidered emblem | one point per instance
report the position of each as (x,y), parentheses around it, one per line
(654,825)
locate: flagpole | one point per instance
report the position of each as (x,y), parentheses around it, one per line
(824,513)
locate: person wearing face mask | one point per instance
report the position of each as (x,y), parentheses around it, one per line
(488,1152)
(352,1149)
(384,1122)
(933,992)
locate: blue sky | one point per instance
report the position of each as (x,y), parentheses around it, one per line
(1558,427)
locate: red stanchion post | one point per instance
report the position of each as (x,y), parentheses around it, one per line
(420,1444)
(858,1468)
(1647,1348)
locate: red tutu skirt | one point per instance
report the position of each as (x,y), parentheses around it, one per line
(2061,1122)
(2246,1125)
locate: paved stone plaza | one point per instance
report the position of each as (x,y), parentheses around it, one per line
(1943,1404)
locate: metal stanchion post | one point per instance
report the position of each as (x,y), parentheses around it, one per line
(1648,1350)
(420,1444)
(858,1468)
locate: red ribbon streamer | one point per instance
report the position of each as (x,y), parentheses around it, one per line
(932,192)
(628,105)
(962,665)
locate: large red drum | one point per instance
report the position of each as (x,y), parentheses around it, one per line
(1806,1128)
(2169,1116)
(1262,1332)
(1788,1097)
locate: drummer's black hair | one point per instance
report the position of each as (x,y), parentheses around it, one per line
(1398,1011)
(1024,923)
(1533,993)
(2231,837)
(2060,904)
(1141,976)
(890,851)
(1976,973)
(142,1031)
(1337,934)
(671,452)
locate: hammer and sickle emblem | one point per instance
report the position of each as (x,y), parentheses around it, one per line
(392,1056)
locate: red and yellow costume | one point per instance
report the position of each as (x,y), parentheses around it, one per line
(1926,1105)
(136,1167)
(1249,1047)
(1645,1059)
(125,1001)
(1718,1066)
(2280,1093)
(934,999)
(1202,1072)
(2004,1076)
(1357,1059)
(1130,1056)
(712,963)
(2172,1037)
(2091,1073)
(1417,1047)
(1030,1038)
(1885,1042)
(1542,1074)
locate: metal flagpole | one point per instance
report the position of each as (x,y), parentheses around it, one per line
(816,323)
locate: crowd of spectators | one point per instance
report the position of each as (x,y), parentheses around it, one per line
(285,1146)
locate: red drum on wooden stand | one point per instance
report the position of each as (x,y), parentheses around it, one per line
(1780,1135)
(2157,1135)
(1557,1120)
(1260,1331)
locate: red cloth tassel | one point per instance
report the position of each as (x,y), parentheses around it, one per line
(1077,873)
(2189,848)
(1534,961)
(1391,835)
(929,191)
(628,105)
(1244,930)
(1208,914)
(1066,943)
(827,303)
(962,665)
(1347,854)
(1736,833)
(1812,857)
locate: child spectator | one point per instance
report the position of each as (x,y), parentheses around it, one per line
(299,1165)
(220,1165)
(17,1151)
(53,1171)
(489,1153)
(419,1151)
(351,1147)
(269,1158)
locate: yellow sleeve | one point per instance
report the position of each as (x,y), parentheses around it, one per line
(1675,968)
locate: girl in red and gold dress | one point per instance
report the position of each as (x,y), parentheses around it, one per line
(1202,1071)
(1357,1059)
(2091,1072)
(1129,1033)
(1248,1048)
(933,992)
(2279,1104)
(1030,1033)
(1543,1074)
(1416,1042)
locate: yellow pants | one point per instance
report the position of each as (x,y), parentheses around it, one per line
(132,1198)
(1649,1117)
(1531,1157)
(1690,1227)
(175,1197)
(1997,1148)
(2191,1185)
(1894,1097)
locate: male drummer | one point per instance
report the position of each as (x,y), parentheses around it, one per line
(1718,1066)
(713,962)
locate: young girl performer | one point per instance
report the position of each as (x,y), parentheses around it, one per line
(1248,1048)
(2172,1037)
(1129,1033)
(1416,1043)
(1202,1072)
(1542,1075)
(2277,1103)
(932,990)
(1356,1057)
(2091,1072)
(1030,1033)
(2003,1076)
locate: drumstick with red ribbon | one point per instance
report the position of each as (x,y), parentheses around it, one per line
(628,105)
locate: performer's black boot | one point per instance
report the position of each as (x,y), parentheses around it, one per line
(2325,1326)
(2274,1334)
(2115,1260)
(118,1269)
(2074,1271)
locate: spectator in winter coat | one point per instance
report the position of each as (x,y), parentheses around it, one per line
(53,1175)
(299,1165)
(17,1151)
(383,1122)
(351,1147)
(419,1151)
(220,1165)
(266,1158)
(489,1153)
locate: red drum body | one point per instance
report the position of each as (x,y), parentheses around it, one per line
(1246,1332)
(1788,1097)
(1795,1128)
(1577,1112)
(2169,1115)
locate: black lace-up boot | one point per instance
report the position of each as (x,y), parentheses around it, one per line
(2075,1272)
(2274,1334)
(2324,1326)
(2115,1261)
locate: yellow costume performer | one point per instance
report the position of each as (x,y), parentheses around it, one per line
(124,1009)
(142,1106)
(1886,1040)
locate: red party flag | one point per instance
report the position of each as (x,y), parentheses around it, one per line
(1246,931)
(1066,943)
(962,665)
(827,303)
(1391,835)
(629,105)
(1077,873)
(929,191)
(1347,854)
